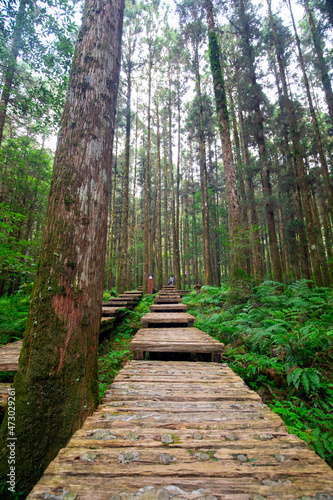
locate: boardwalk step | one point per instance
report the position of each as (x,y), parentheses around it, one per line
(174,340)
(168,307)
(184,430)
(167,318)
(167,300)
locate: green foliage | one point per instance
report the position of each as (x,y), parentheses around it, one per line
(108,294)
(26,174)
(5,494)
(13,316)
(281,344)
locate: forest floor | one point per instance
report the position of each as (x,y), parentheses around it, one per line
(279,342)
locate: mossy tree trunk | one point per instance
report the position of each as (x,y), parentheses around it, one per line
(57,383)
(239,289)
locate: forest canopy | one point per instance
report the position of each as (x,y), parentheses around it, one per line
(172,173)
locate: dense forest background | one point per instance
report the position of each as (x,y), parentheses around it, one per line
(169,202)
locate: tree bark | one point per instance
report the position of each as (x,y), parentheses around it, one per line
(166,222)
(159,203)
(125,193)
(264,164)
(176,257)
(203,178)
(239,289)
(146,231)
(57,383)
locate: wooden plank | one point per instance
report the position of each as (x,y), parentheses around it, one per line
(112,311)
(167,300)
(169,318)
(149,441)
(9,356)
(4,387)
(168,307)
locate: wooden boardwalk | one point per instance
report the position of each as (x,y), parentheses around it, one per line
(184,430)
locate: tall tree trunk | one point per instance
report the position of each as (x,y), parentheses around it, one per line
(56,384)
(241,183)
(125,193)
(11,66)
(166,221)
(322,66)
(159,203)
(300,250)
(258,268)
(239,289)
(304,188)
(264,164)
(203,178)
(133,231)
(146,230)
(113,216)
(176,257)
(324,168)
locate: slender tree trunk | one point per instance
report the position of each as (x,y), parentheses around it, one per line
(264,164)
(239,289)
(56,384)
(125,193)
(324,168)
(166,223)
(241,183)
(113,215)
(146,242)
(176,257)
(258,269)
(11,66)
(323,69)
(133,231)
(203,178)
(159,203)
(305,192)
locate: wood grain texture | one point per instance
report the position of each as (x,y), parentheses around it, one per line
(9,355)
(4,394)
(184,430)
(168,308)
(167,318)
(167,300)
(174,340)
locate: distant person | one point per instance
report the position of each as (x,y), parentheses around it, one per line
(172,280)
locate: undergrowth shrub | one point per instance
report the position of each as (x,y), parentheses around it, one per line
(13,317)
(281,343)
